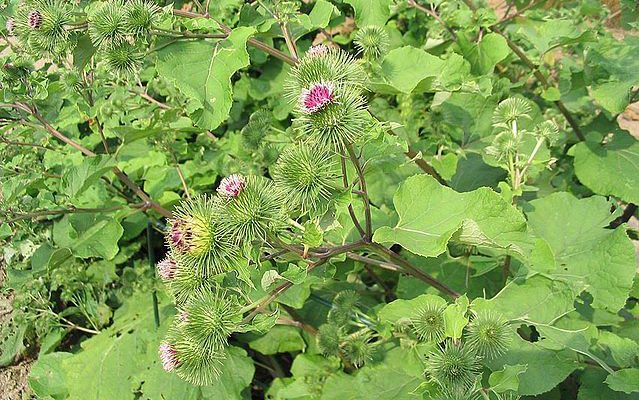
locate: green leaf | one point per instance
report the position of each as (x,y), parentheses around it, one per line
(600,260)
(455,318)
(484,56)
(280,339)
(430,214)
(380,383)
(399,72)
(79,178)
(611,168)
(546,368)
(507,379)
(202,70)
(401,308)
(105,367)
(371,12)
(553,299)
(625,380)
(592,387)
(87,235)
(46,377)
(545,35)
(83,52)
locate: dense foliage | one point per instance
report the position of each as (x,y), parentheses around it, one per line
(320,199)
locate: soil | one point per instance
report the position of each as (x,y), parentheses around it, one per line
(13,379)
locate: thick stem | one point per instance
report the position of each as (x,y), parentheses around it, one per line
(410,269)
(252,41)
(425,166)
(351,212)
(362,186)
(261,304)
(290,42)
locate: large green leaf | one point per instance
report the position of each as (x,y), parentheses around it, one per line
(486,54)
(399,71)
(546,368)
(371,12)
(593,387)
(602,261)
(625,380)
(78,178)
(202,70)
(381,383)
(611,168)
(430,214)
(87,235)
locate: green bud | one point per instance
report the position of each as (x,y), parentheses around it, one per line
(428,325)
(329,338)
(358,347)
(256,210)
(373,41)
(453,366)
(108,24)
(306,175)
(211,317)
(489,335)
(140,15)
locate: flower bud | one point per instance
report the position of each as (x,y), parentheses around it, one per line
(317,51)
(10,25)
(429,324)
(489,335)
(316,97)
(168,356)
(231,186)
(166,268)
(34,19)
(453,366)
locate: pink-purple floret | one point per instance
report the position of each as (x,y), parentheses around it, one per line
(317,97)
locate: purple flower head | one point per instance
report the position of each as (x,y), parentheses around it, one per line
(10,25)
(166,268)
(180,235)
(231,186)
(34,19)
(168,356)
(317,97)
(317,51)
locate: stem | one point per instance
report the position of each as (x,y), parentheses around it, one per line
(410,269)
(151,257)
(149,203)
(540,141)
(351,212)
(150,99)
(72,210)
(187,35)
(290,42)
(362,186)
(261,304)
(425,166)
(253,42)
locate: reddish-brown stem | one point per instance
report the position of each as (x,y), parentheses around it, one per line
(410,269)
(351,212)
(425,166)
(252,41)
(362,186)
